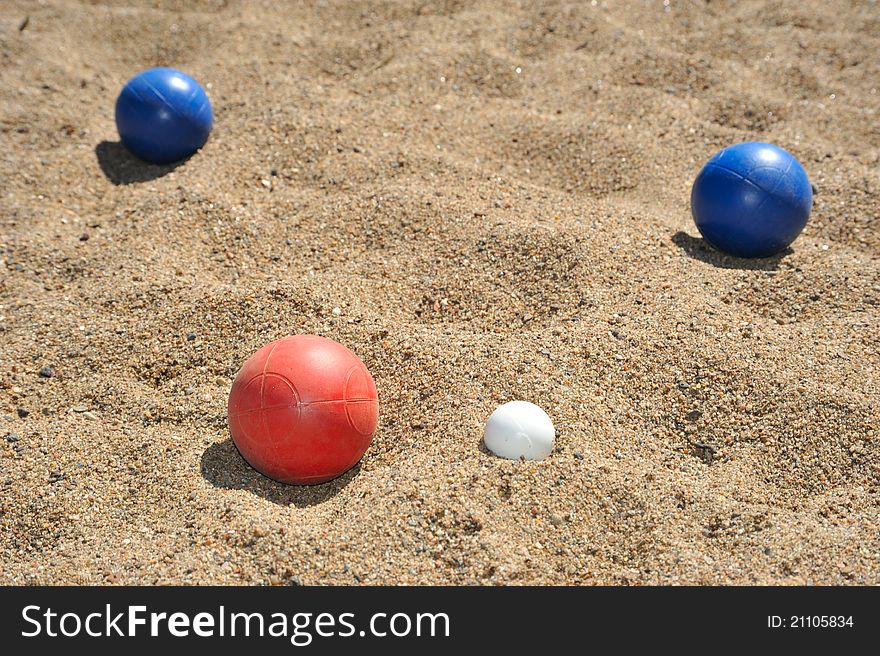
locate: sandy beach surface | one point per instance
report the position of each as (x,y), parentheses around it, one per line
(486,201)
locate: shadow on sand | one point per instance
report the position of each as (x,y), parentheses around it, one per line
(698,248)
(223,467)
(122,168)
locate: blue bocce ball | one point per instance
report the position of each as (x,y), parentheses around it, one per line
(163,115)
(751,200)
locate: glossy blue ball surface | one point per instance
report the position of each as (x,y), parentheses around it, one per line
(163,115)
(751,200)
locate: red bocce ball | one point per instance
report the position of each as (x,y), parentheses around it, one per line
(303,410)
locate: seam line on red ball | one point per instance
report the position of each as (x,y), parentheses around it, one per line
(284,406)
(264,419)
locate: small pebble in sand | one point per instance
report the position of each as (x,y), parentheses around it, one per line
(47,372)
(22,412)
(13,437)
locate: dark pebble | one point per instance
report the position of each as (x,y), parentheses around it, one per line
(54,477)
(84,236)
(13,437)
(704,452)
(22,412)
(191,337)
(693,415)
(47,372)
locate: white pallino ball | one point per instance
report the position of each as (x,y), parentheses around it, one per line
(519,429)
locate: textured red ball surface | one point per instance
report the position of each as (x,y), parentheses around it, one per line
(303,410)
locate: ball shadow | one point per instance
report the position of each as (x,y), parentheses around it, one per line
(223,467)
(698,248)
(121,167)
(482,448)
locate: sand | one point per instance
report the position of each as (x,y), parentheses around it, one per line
(486,201)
